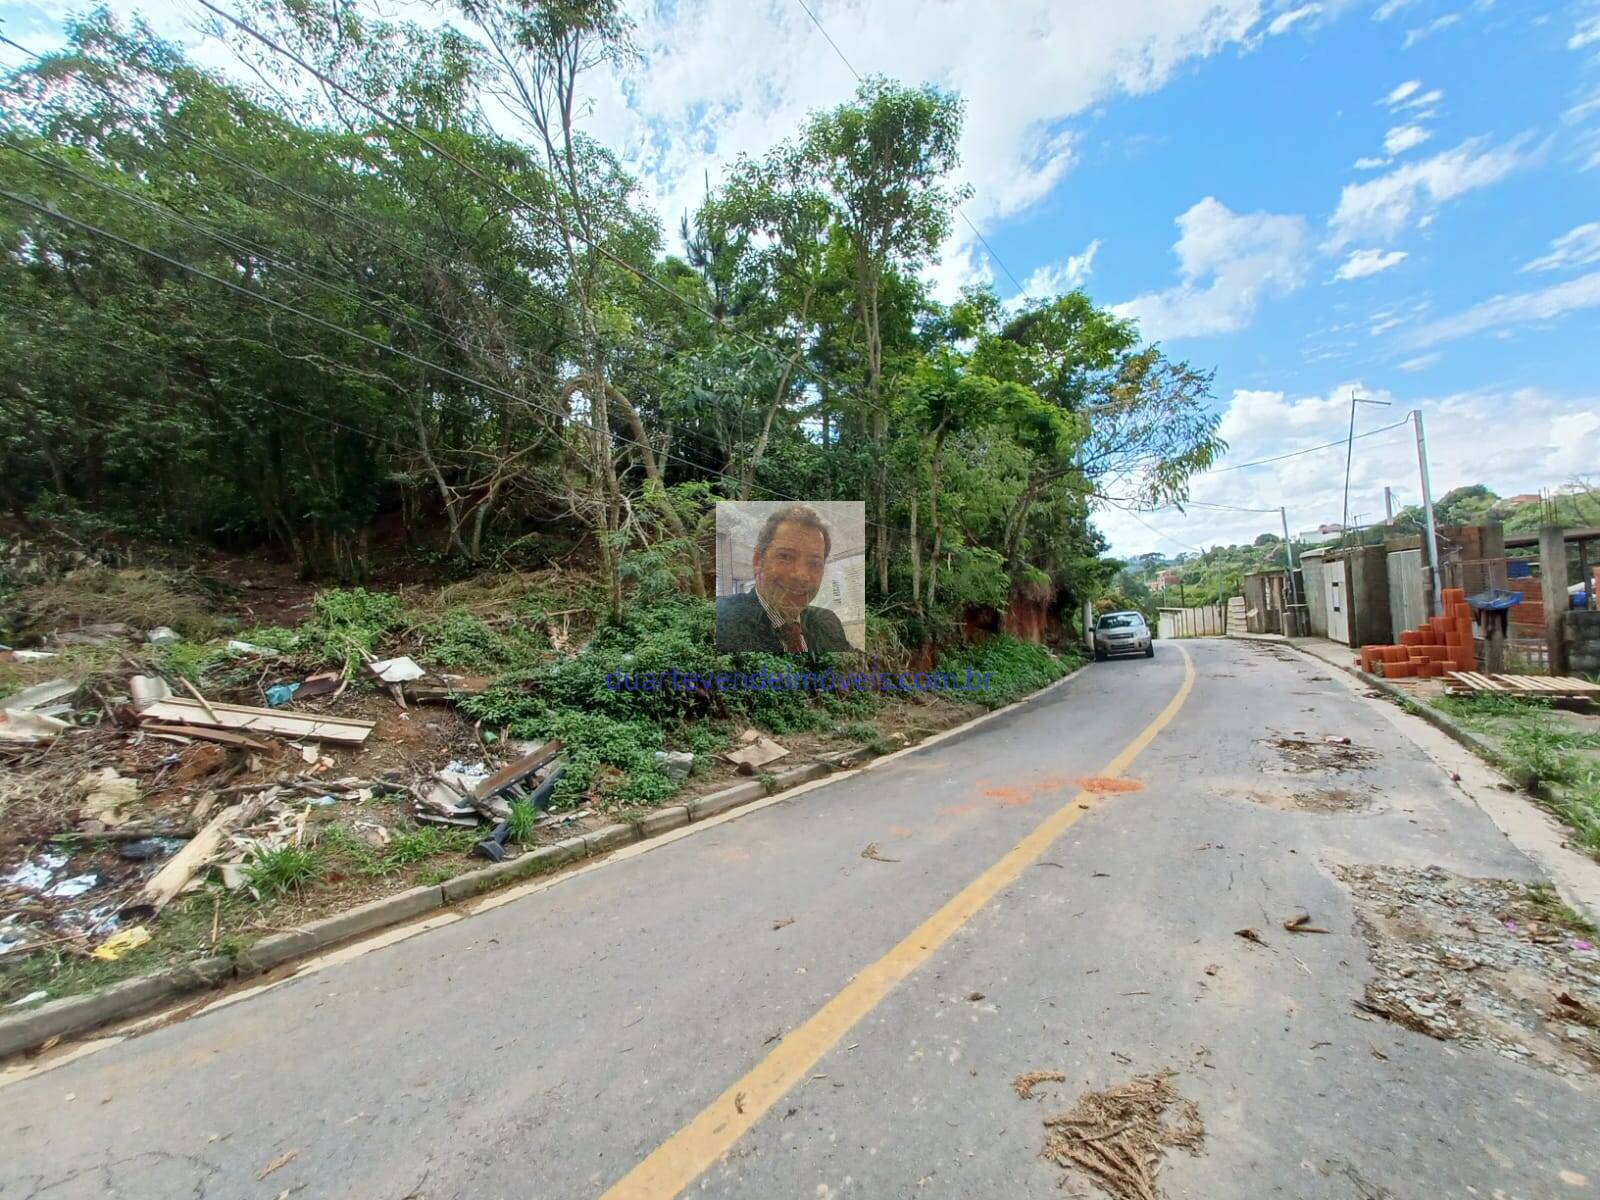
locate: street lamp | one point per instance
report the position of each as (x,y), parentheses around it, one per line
(1349,447)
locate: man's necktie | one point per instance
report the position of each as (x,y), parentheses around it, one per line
(794,642)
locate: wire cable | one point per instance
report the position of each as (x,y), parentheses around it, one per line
(998,261)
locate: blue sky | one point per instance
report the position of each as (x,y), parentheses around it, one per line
(1400,197)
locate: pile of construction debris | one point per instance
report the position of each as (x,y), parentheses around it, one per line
(248,781)
(1482,962)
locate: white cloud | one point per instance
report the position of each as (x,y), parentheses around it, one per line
(1283,22)
(1414,36)
(1425,101)
(1553,439)
(1407,88)
(1422,361)
(1052,279)
(1500,312)
(1586,33)
(1404,137)
(1385,205)
(1362,263)
(1371,164)
(1389,7)
(1227,262)
(1574,440)
(1577,247)
(696,102)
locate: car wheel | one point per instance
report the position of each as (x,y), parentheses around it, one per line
(1150,651)
(1099,656)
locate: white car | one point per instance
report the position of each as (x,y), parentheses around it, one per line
(1122,633)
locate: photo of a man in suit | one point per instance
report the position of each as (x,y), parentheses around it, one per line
(776,615)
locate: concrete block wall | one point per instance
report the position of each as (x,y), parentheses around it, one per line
(1583,643)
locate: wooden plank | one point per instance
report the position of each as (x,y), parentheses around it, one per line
(225,737)
(260,720)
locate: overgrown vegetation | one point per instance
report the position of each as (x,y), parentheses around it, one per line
(486,379)
(1535,741)
(1014,667)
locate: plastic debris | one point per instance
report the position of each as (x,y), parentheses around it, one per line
(27,1000)
(69,889)
(239,647)
(396,670)
(163,635)
(118,944)
(280,694)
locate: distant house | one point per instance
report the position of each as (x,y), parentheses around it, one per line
(1525,498)
(1171,578)
(1334,528)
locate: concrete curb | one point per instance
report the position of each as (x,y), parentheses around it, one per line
(135,997)
(130,998)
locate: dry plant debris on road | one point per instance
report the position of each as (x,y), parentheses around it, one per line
(1487,962)
(1119,1136)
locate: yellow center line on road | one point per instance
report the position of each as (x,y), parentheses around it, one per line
(683,1157)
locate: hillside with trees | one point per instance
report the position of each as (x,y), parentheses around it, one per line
(320,322)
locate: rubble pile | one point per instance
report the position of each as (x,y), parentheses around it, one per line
(1480,961)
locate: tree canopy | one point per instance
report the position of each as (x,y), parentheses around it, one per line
(294,316)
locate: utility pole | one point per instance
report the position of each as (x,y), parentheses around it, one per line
(1349,449)
(1288,554)
(1431,540)
(1388,505)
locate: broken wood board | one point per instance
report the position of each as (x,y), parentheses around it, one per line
(28,728)
(201,733)
(757,753)
(514,773)
(344,730)
(40,695)
(173,877)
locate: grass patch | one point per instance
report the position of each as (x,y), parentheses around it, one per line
(344,622)
(140,598)
(519,825)
(287,869)
(1553,909)
(182,932)
(1530,739)
(1014,667)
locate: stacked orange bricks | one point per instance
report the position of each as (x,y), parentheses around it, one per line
(1438,646)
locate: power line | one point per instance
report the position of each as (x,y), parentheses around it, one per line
(577,234)
(250,293)
(341,214)
(998,261)
(1308,450)
(1157,532)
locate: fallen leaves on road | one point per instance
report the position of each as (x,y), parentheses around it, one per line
(1250,935)
(1118,1136)
(283,1160)
(783,924)
(1026,1082)
(871,852)
(975,996)
(738,1102)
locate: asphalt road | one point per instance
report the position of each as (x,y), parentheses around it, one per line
(546,1047)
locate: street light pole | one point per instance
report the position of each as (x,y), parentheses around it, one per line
(1349,449)
(1432,541)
